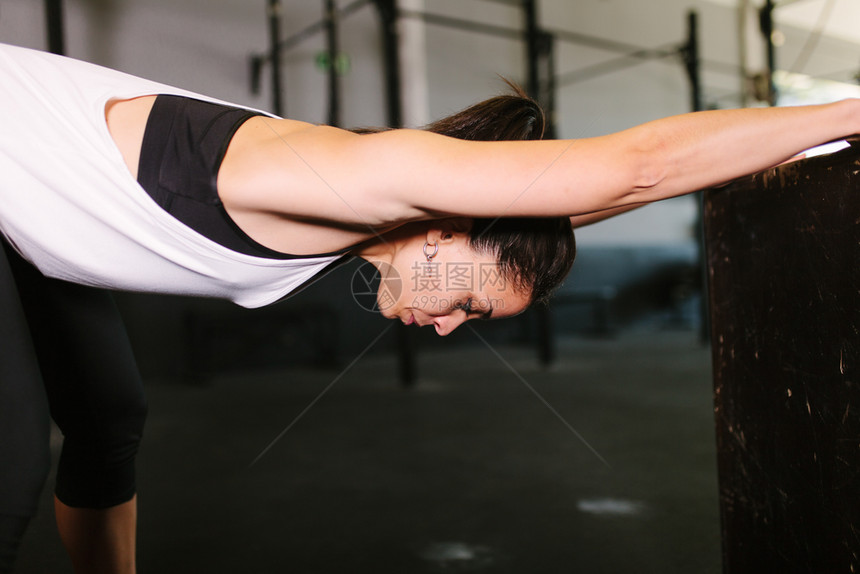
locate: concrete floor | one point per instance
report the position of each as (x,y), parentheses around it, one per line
(468,472)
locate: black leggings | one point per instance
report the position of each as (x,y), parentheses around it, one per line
(64,353)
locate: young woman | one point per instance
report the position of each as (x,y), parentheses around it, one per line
(112,181)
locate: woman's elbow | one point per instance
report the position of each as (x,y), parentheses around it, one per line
(650,168)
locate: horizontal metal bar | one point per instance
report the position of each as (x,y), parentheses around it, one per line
(311,30)
(615,64)
(462,24)
(518,34)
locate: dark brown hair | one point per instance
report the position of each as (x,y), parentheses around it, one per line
(536,254)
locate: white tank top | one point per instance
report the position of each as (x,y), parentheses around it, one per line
(69,205)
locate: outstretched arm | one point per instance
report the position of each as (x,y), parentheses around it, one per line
(407,175)
(654,161)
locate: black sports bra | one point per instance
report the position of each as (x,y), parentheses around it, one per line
(183,146)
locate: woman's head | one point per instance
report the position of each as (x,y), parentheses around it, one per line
(458,269)
(448,271)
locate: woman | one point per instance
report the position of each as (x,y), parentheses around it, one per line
(104,184)
(137,187)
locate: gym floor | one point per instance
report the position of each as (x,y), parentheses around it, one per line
(604,463)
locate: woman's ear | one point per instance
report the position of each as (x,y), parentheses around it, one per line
(446,230)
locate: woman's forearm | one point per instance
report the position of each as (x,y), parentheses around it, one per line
(735,143)
(696,151)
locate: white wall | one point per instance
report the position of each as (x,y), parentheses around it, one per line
(204,45)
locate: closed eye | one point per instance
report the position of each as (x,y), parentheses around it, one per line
(469,308)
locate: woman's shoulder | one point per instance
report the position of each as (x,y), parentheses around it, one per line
(271,163)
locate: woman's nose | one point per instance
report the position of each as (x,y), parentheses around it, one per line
(447,323)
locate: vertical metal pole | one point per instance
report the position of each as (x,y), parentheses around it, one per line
(331,29)
(548,98)
(691,59)
(766,24)
(391,61)
(539,50)
(274,13)
(407,356)
(545,340)
(56,37)
(742,15)
(692,64)
(532,46)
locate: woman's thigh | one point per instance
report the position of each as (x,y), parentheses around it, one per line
(93,387)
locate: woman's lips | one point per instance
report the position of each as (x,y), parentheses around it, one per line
(410,320)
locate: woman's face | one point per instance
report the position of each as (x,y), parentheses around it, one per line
(456,285)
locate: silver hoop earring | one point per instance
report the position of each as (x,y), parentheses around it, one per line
(430,256)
